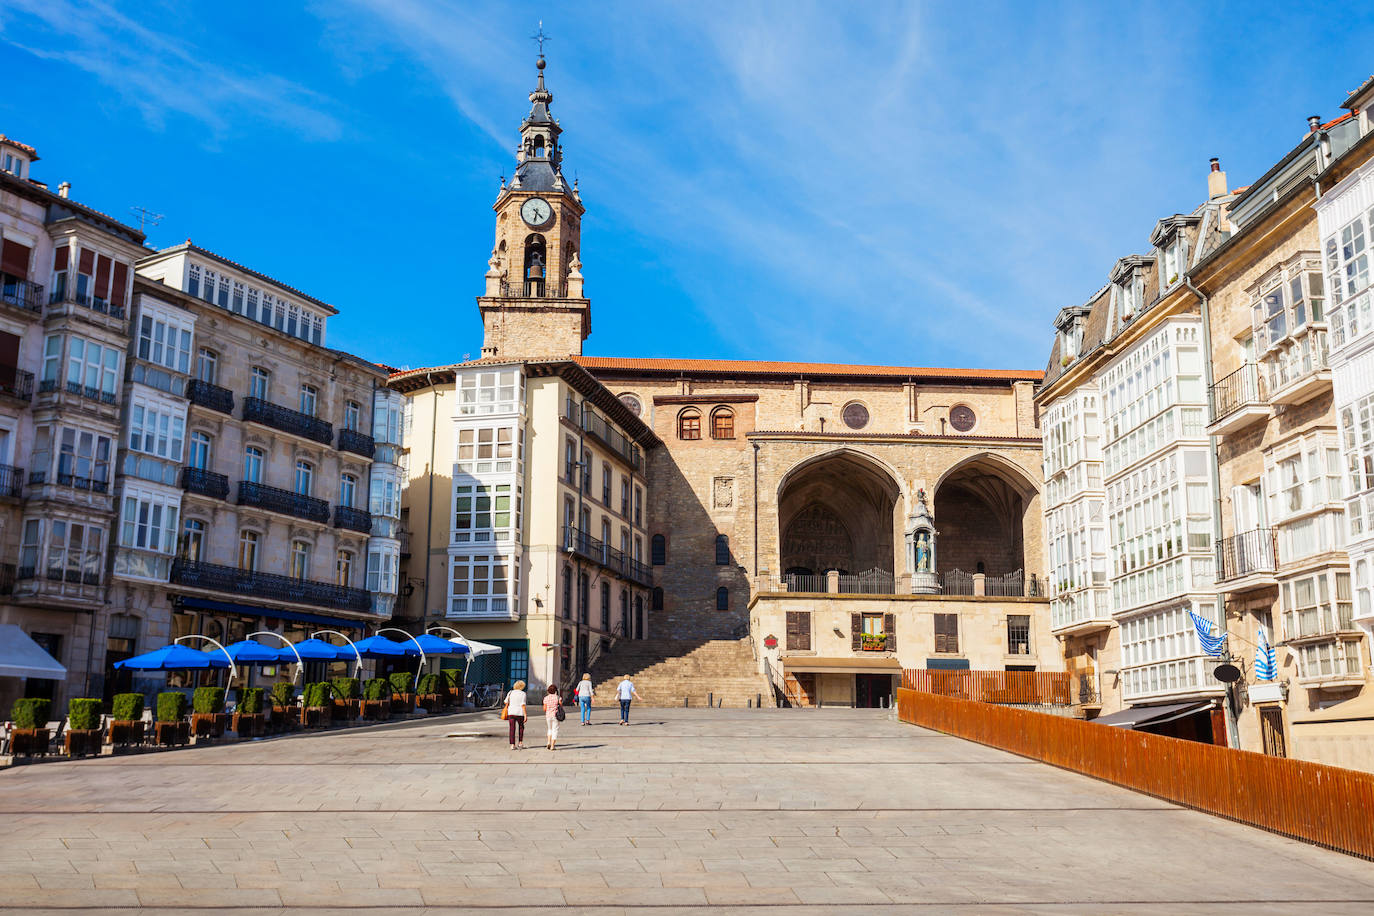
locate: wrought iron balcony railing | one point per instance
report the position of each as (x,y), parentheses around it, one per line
(7,577)
(194,574)
(350,440)
(1246,553)
(85,300)
(214,397)
(11,481)
(206,483)
(1243,388)
(257,410)
(16,383)
(21,293)
(584,545)
(283,501)
(352,519)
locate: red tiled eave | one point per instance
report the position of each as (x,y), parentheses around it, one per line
(731,367)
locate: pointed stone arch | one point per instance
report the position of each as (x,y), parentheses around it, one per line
(839,510)
(981,506)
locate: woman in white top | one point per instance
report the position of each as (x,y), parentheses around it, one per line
(584,694)
(515,713)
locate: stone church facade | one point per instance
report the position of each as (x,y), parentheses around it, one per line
(845,520)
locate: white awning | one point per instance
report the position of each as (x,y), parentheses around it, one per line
(476,648)
(20,656)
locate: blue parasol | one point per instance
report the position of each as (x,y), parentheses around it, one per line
(173,657)
(382,647)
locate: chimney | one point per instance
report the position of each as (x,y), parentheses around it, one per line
(64,189)
(1313,123)
(1216,181)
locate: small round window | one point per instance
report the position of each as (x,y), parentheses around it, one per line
(962,418)
(632,402)
(855,415)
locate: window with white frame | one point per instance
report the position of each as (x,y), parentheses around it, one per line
(1304,489)
(252,464)
(387,416)
(300,560)
(1289,321)
(148,522)
(487,449)
(83,459)
(348,490)
(305,478)
(1160,651)
(352,415)
(343,569)
(248,550)
(1154,396)
(1357,429)
(207,365)
(382,564)
(156,429)
(384,497)
(480,584)
(1171,264)
(259,382)
(92,368)
(165,342)
(1316,605)
(198,455)
(490,392)
(1329,659)
(1347,257)
(30,546)
(310,398)
(485,512)
(75,551)
(243,298)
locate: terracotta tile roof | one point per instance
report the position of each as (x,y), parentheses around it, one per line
(1345,117)
(754,367)
(24,146)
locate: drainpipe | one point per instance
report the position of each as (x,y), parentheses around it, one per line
(756,508)
(1232,731)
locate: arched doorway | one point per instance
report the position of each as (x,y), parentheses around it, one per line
(980,516)
(838,512)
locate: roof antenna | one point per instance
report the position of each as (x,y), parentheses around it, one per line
(146,217)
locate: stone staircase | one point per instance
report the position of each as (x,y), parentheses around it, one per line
(667,671)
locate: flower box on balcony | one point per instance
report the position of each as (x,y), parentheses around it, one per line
(872,643)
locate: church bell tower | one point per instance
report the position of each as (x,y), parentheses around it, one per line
(533,305)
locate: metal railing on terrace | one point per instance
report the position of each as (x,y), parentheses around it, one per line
(881,582)
(194,574)
(11,481)
(206,483)
(206,394)
(1246,553)
(16,383)
(1243,388)
(594,425)
(539,290)
(284,501)
(350,440)
(21,293)
(257,410)
(352,519)
(62,297)
(588,547)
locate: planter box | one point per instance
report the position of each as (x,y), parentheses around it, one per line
(376,710)
(82,742)
(430,701)
(30,742)
(248,725)
(209,724)
(168,734)
(313,716)
(344,710)
(402,702)
(126,732)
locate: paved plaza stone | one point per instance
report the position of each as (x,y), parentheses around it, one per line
(705,811)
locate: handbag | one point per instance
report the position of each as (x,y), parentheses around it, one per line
(559,714)
(505,710)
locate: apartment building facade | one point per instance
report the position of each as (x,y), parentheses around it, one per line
(64,330)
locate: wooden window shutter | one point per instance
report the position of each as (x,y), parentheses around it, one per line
(14,259)
(803,630)
(59,257)
(890,628)
(102,277)
(793,630)
(946,632)
(856,628)
(9,357)
(121,280)
(86,263)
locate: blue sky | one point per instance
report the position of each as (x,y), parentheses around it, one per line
(914,184)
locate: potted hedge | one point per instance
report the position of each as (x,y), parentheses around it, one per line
(402,698)
(126,720)
(31,734)
(172,727)
(82,737)
(314,704)
(453,685)
(283,701)
(377,699)
(346,693)
(427,694)
(248,716)
(207,718)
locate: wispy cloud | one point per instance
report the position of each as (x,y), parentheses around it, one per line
(159,74)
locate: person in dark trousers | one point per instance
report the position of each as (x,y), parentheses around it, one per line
(625,692)
(515,713)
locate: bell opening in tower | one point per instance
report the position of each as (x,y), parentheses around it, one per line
(535,259)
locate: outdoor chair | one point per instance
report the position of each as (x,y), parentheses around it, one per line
(55,730)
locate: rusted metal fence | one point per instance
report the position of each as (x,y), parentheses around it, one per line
(1015,687)
(1307,801)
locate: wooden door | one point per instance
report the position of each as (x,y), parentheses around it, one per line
(1271,729)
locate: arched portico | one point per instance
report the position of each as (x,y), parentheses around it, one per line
(981,507)
(839,511)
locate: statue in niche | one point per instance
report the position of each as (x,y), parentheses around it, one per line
(923,551)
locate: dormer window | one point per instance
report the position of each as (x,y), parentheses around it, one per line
(15,165)
(1128,297)
(1071,340)
(1171,262)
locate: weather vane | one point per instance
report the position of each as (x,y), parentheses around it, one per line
(540,37)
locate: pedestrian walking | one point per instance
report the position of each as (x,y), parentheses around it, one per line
(584,694)
(625,691)
(553,714)
(515,713)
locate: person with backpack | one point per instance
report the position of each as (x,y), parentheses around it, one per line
(584,694)
(553,713)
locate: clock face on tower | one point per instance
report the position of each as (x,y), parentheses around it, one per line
(536,211)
